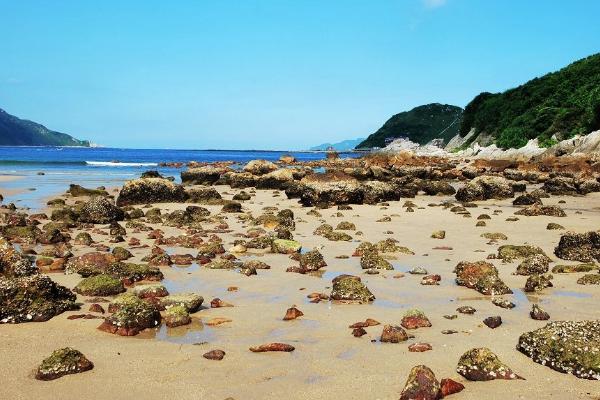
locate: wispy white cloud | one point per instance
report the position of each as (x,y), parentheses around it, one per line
(434,3)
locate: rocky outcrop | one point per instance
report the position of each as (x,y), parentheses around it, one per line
(584,247)
(99,210)
(484,188)
(151,190)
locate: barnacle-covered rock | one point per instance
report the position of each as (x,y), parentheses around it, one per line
(571,347)
(99,210)
(99,285)
(421,384)
(481,276)
(131,316)
(151,190)
(13,263)
(481,364)
(62,362)
(583,247)
(350,288)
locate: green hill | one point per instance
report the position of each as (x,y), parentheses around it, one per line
(420,125)
(563,103)
(19,132)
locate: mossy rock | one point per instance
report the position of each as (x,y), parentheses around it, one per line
(438,235)
(346,226)
(62,362)
(494,236)
(131,316)
(150,290)
(589,279)
(177,316)
(312,261)
(481,364)
(83,238)
(283,246)
(221,263)
(121,253)
(350,288)
(191,301)
(571,347)
(99,285)
(372,260)
(566,269)
(23,234)
(335,236)
(323,229)
(510,252)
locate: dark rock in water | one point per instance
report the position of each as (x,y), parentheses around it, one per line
(493,322)
(216,355)
(33,298)
(63,362)
(414,319)
(571,347)
(584,247)
(151,190)
(132,315)
(13,263)
(99,210)
(177,316)
(538,282)
(448,387)
(481,276)
(535,210)
(77,191)
(393,334)
(481,364)
(484,188)
(421,384)
(538,313)
(350,288)
(99,285)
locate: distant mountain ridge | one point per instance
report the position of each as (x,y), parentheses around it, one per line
(344,145)
(20,132)
(554,107)
(420,125)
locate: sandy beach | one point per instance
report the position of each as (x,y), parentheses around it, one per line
(328,361)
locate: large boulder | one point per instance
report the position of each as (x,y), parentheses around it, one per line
(584,247)
(204,195)
(571,347)
(328,189)
(99,210)
(260,167)
(207,175)
(151,190)
(481,276)
(484,188)
(33,298)
(278,179)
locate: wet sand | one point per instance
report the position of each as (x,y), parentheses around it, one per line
(328,361)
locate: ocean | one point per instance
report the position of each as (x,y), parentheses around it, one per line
(93,167)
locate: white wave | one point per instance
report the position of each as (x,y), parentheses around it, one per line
(119,164)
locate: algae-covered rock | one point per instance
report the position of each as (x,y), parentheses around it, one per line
(589,279)
(510,252)
(567,269)
(151,190)
(62,362)
(481,364)
(538,282)
(414,319)
(336,236)
(99,285)
(312,261)
(438,235)
(13,263)
(536,210)
(33,298)
(21,234)
(131,316)
(220,263)
(494,236)
(177,316)
(372,260)
(99,210)
(283,246)
(535,264)
(121,253)
(150,290)
(421,384)
(481,276)
(84,238)
(191,301)
(571,347)
(78,191)
(350,288)
(583,247)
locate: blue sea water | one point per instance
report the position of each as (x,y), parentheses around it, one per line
(93,167)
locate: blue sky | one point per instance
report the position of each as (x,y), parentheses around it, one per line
(270,74)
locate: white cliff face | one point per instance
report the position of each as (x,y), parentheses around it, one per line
(588,144)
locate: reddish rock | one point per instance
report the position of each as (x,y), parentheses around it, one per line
(358,332)
(450,387)
(182,259)
(393,334)
(414,319)
(232,289)
(272,347)
(218,303)
(493,322)
(431,280)
(366,323)
(83,316)
(214,355)
(421,385)
(419,347)
(97,308)
(292,313)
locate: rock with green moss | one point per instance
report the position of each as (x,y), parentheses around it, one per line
(62,362)
(99,285)
(350,288)
(494,236)
(13,263)
(177,316)
(131,316)
(583,247)
(346,226)
(191,301)
(414,319)
(392,246)
(121,253)
(21,234)
(33,298)
(283,246)
(151,190)
(83,238)
(481,276)
(589,279)
(78,191)
(567,269)
(481,364)
(571,347)
(438,235)
(511,252)
(150,290)
(221,263)
(323,229)
(553,226)
(421,384)
(535,264)
(372,260)
(538,282)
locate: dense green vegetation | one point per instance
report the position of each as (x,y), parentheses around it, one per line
(420,125)
(561,104)
(19,132)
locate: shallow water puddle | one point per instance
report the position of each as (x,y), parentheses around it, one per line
(196,332)
(347,354)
